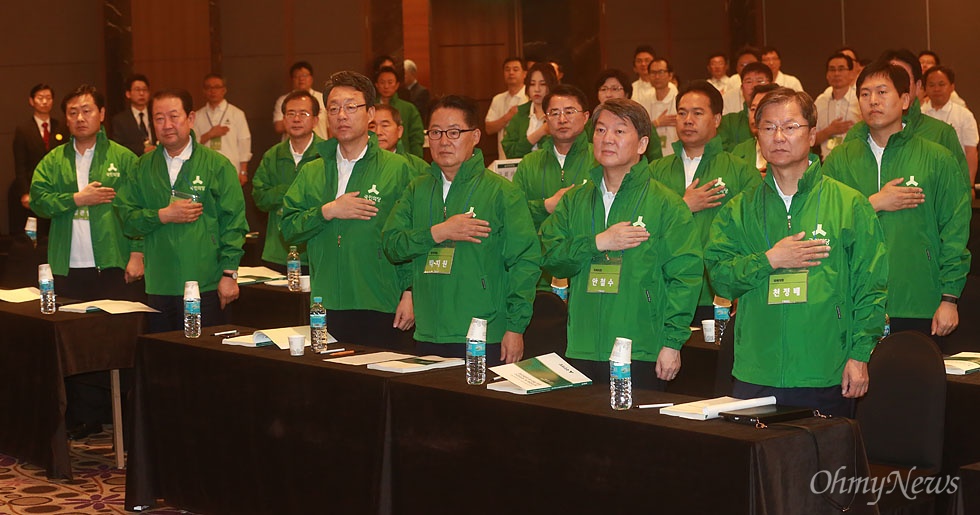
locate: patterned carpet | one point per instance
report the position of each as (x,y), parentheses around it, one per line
(98,486)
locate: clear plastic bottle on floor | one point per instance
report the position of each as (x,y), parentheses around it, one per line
(476,352)
(293,269)
(45,283)
(620,380)
(318,325)
(192,310)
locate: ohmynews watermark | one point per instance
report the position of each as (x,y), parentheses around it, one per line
(824,482)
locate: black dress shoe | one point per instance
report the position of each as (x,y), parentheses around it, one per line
(85,429)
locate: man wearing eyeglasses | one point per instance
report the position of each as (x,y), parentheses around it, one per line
(337,206)
(921,199)
(469,240)
(276,172)
(223,127)
(701,172)
(734,127)
(805,256)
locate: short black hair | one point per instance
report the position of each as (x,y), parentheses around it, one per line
(718,54)
(465,104)
(84,89)
(670,68)
(622,78)
(644,49)
(934,56)
(844,49)
(756,67)
(704,87)
(300,65)
(41,87)
(838,55)
(387,69)
(186,100)
(512,59)
(134,78)
(884,67)
(748,50)
(379,61)
(213,75)
(764,88)
(353,80)
(565,90)
(299,93)
(770,50)
(626,109)
(906,56)
(937,69)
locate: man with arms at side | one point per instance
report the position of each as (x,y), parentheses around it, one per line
(921,200)
(771,58)
(386,81)
(278,169)
(132,127)
(801,252)
(503,107)
(387,124)
(837,107)
(463,214)
(223,127)
(699,170)
(418,94)
(734,127)
(32,140)
(337,206)
(640,232)
(185,201)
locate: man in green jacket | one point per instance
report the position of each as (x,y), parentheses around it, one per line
(805,256)
(278,169)
(337,205)
(632,253)
(185,201)
(387,82)
(74,185)
(734,127)
(387,124)
(922,202)
(470,242)
(701,172)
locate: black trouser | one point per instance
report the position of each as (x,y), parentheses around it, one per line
(85,284)
(828,400)
(171,312)
(643,374)
(922,325)
(367,327)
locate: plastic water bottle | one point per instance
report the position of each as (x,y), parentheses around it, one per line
(293,269)
(476,352)
(620,380)
(45,283)
(30,229)
(888,327)
(318,325)
(722,316)
(192,310)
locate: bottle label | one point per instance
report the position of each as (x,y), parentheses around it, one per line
(292,266)
(319,320)
(192,307)
(46,286)
(721,313)
(476,349)
(619,370)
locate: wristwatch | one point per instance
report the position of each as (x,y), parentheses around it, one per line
(231,275)
(950,298)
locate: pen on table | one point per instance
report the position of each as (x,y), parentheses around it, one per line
(233,332)
(344,353)
(331,351)
(648,406)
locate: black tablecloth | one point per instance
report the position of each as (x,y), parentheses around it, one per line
(269,307)
(962,443)
(966,500)
(464,448)
(36,352)
(222,429)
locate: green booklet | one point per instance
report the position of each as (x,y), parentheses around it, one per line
(536,375)
(416,364)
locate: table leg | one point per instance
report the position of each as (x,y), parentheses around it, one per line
(117,431)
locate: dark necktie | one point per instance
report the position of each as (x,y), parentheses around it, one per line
(146,135)
(46,135)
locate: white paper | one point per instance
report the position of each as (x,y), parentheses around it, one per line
(710,408)
(255,274)
(520,379)
(279,336)
(367,359)
(20,294)
(113,307)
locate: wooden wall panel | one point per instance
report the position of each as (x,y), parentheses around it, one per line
(956,39)
(173,51)
(805,41)
(416,26)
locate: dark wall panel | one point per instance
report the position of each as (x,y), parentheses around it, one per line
(956,39)
(805,38)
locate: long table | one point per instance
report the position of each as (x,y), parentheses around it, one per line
(267,307)
(225,429)
(36,353)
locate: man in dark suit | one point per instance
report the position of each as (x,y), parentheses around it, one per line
(32,140)
(132,128)
(416,93)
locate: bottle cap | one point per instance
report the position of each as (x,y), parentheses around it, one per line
(317,300)
(31,225)
(622,351)
(722,302)
(478,330)
(44,273)
(191,290)
(292,248)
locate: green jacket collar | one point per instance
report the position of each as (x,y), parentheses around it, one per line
(470,168)
(711,149)
(101,143)
(286,152)
(862,132)
(811,177)
(328,148)
(580,145)
(638,175)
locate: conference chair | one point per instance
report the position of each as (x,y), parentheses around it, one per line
(548,329)
(903,415)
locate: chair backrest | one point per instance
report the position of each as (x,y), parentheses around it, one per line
(548,329)
(903,414)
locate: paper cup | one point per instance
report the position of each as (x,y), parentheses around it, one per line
(708,327)
(297,344)
(622,351)
(478,330)
(191,290)
(304,283)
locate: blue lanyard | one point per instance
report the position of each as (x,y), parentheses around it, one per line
(765,213)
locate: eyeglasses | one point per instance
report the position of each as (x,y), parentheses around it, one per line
(348,108)
(610,89)
(436,134)
(568,112)
(789,130)
(298,114)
